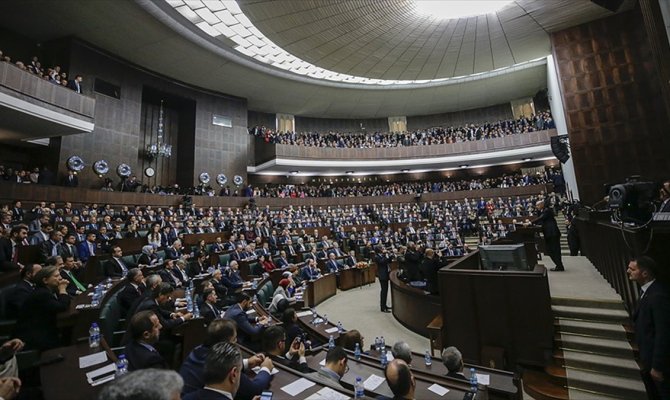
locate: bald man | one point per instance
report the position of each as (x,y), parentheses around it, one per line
(400,379)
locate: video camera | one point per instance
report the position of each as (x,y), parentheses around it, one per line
(633,199)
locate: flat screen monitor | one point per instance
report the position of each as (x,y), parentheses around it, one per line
(506,257)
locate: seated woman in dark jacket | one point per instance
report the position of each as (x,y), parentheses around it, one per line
(290,322)
(37,323)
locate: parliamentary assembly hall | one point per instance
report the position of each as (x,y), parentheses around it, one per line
(334,199)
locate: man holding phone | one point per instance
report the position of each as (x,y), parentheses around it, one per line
(274,345)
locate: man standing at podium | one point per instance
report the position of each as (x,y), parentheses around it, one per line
(552,235)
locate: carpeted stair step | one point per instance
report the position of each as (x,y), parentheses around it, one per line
(632,389)
(594,345)
(588,328)
(624,367)
(591,314)
(589,303)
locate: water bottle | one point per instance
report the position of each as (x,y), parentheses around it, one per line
(254,285)
(196,311)
(189,304)
(314,316)
(94,336)
(383,358)
(109,282)
(340,329)
(331,342)
(255,301)
(377,346)
(325,319)
(357,352)
(428,359)
(382,342)
(473,380)
(359,389)
(121,365)
(190,285)
(95,300)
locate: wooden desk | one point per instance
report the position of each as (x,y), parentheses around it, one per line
(355,277)
(64,379)
(365,369)
(319,290)
(412,307)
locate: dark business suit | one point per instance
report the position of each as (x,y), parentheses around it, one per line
(204,394)
(383,273)
(245,330)
(114,268)
(552,236)
(141,357)
(309,274)
(429,268)
(6,262)
(162,314)
(209,312)
(127,296)
(652,335)
(37,323)
(69,250)
(17,297)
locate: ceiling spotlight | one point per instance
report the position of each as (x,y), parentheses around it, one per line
(404,170)
(528,158)
(294,172)
(350,172)
(463,166)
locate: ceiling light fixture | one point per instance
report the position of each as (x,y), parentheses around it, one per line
(454,9)
(294,172)
(404,170)
(463,166)
(527,158)
(350,172)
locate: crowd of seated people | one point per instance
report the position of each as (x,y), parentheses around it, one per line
(52,74)
(434,231)
(400,188)
(421,137)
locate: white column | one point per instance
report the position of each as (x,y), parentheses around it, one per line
(558,113)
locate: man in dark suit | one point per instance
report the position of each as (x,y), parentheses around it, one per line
(238,313)
(71,180)
(552,235)
(51,247)
(132,291)
(652,327)
(310,272)
(209,310)
(22,290)
(665,197)
(67,271)
(160,297)
(75,84)
(145,329)
(429,267)
(174,252)
(222,373)
(351,261)
(332,265)
(383,261)
(115,267)
(224,331)
(9,248)
(69,248)
(198,266)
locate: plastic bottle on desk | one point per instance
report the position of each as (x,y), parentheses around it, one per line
(377,347)
(359,389)
(331,342)
(473,380)
(357,352)
(340,329)
(428,359)
(189,304)
(196,311)
(382,342)
(325,319)
(255,300)
(382,358)
(254,285)
(94,336)
(121,365)
(95,300)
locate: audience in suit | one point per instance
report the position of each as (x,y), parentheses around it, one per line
(335,368)
(652,326)
(453,360)
(383,261)
(69,248)
(144,384)
(310,272)
(133,290)
(51,247)
(225,331)
(116,267)
(238,313)
(68,272)
(173,252)
(71,180)
(37,323)
(148,256)
(274,345)
(222,373)
(9,252)
(400,379)
(169,276)
(88,247)
(145,329)
(209,310)
(429,267)
(290,323)
(197,267)
(22,290)
(160,297)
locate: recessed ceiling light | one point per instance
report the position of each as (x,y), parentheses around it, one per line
(463,166)
(294,172)
(350,172)
(404,170)
(528,158)
(453,9)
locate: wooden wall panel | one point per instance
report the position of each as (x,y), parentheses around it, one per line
(616,119)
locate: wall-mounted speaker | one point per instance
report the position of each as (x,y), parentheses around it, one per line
(559,146)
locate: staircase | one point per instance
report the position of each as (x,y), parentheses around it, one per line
(472,242)
(593,357)
(560,221)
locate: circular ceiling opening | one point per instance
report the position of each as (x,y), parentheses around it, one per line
(453,9)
